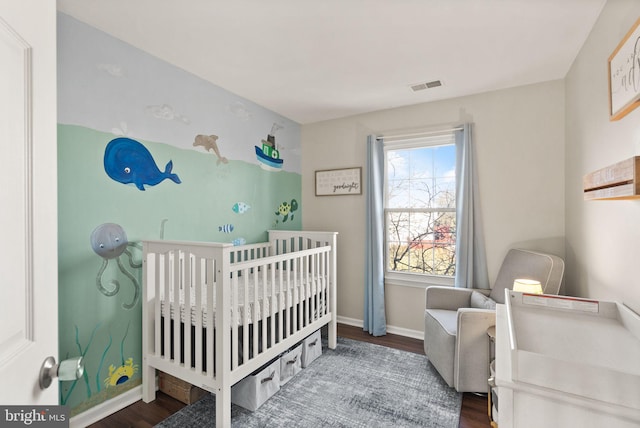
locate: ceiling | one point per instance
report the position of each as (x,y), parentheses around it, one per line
(317,60)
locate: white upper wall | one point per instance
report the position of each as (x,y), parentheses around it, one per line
(519,141)
(603,237)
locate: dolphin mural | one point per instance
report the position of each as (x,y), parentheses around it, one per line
(129,162)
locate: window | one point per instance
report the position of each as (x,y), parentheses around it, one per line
(420,208)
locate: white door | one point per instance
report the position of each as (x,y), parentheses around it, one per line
(28,200)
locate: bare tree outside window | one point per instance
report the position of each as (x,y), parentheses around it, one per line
(420,208)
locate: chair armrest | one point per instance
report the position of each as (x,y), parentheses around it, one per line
(438,297)
(480,319)
(472,349)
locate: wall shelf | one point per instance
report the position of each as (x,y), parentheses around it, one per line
(617,181)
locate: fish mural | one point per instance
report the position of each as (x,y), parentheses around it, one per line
(287,208)
(225,228)
(129,162)
(239,241)
(209,142)
(240,207)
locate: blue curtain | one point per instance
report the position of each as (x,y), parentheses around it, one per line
(471,259)
(374,315)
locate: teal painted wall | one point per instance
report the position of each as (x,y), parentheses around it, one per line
(106,90)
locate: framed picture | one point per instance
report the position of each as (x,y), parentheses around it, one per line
(624,75)
(333,182)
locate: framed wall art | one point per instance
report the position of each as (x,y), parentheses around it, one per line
(624,75)
(334,182)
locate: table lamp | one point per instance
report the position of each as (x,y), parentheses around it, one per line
(530,286)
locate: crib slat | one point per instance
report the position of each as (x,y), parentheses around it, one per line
(324,283)
(305,292)
(254,304)
(312,286)
(157,310)
(288,301)
(264,310)
(304,283)
(210,311)
(245,317)
(281,300)
(234,320)
(177,290)
(198,315)
(297,298)
(167,306)
(187,285)
(308,285)
(320,285)
(271,303)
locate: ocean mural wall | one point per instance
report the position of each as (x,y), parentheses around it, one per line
(149,151)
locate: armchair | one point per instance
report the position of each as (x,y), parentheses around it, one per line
(456,319)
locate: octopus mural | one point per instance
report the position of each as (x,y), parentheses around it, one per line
(109,241)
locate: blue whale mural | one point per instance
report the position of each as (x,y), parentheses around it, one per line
(127,161)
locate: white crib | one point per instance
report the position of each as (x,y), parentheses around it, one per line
(252,301)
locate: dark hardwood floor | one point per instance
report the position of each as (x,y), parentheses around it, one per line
(143,415)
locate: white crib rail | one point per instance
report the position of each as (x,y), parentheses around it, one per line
(285,241)
(253,301)
(290,292)
(164,275)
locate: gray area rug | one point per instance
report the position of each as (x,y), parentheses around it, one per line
(356,385)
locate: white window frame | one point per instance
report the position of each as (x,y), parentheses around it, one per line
(419,280)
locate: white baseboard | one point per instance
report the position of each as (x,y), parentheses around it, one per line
(400,331)
(106,408)
(350,321)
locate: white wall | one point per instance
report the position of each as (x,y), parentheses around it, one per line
(603,237)
(519,140)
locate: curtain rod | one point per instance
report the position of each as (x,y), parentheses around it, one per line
(419,134)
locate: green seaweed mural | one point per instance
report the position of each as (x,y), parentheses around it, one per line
(117,376)
(124,372)
(85,375)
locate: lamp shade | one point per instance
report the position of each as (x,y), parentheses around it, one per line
(527,286)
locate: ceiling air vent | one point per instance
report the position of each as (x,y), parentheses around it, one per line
(420,86)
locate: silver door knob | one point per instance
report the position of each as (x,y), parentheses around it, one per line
(70,369)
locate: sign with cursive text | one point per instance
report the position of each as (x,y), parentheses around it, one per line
(624,75)
(339,182)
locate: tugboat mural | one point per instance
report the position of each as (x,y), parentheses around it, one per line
(268,155)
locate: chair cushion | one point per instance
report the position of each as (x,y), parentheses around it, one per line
(480,301)
(448,320)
